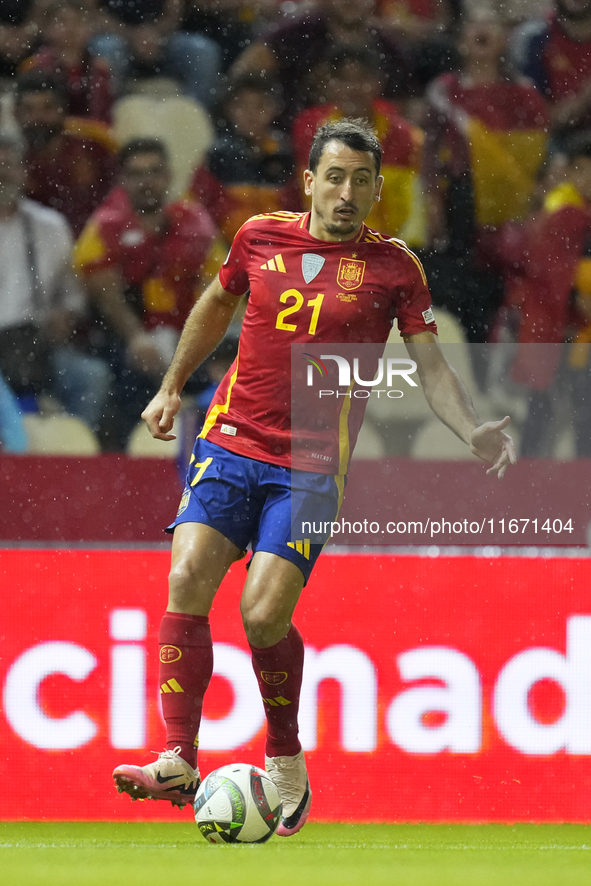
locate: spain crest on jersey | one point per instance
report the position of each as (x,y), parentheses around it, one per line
(350,275)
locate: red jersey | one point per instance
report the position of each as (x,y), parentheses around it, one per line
(304,290)
(162,272)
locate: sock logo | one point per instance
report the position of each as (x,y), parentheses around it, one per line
(169,654)
(280,701)
(274,678)
(171,685)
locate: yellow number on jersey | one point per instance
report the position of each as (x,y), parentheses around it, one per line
(315,303)
(290,293)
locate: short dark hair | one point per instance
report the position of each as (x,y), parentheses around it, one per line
(357,134)
(143,146)
(39,81)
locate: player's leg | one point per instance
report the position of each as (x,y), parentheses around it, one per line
(270,594)
(201,556)
(279,569)
(269,598)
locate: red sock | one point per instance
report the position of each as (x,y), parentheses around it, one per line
(186,665)
(278,670)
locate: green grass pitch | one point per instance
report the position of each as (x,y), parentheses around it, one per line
(105,854)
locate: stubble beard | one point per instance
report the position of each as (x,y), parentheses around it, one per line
(339,230)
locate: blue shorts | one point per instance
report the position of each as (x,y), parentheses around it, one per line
(266,506)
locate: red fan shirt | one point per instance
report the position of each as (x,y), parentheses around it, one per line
(162,272)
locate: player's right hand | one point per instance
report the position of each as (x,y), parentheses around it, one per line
(159,415)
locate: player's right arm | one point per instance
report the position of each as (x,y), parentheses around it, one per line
(205,328)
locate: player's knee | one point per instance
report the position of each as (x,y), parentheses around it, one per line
(183,584)
(263,627)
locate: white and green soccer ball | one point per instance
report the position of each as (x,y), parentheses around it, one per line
(238,803)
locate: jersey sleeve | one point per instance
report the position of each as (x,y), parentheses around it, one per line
(413,305)
(233,273)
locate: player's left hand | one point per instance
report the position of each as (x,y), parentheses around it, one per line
(491,444)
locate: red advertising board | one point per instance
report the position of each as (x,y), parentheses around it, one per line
(436,689)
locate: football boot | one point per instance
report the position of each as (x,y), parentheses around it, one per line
(167,778)
(291,780)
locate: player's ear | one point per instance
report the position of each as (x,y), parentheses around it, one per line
(378,188)
(308,179)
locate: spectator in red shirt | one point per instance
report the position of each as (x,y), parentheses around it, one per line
(144,262)
(70,161)
(555,52)
(67,30)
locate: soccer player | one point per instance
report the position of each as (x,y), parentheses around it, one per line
(240,479)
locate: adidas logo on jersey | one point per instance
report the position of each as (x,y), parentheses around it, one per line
(274,264)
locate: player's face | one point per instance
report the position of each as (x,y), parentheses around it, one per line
(343,190)
(146,179)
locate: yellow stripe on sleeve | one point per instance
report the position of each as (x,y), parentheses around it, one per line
(220,408)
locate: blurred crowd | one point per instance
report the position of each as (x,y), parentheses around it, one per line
(136,136)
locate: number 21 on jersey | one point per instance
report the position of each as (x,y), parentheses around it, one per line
(314,303)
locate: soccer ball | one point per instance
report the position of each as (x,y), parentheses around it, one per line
(238,803)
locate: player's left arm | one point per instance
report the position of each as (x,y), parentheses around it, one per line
(450,400)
